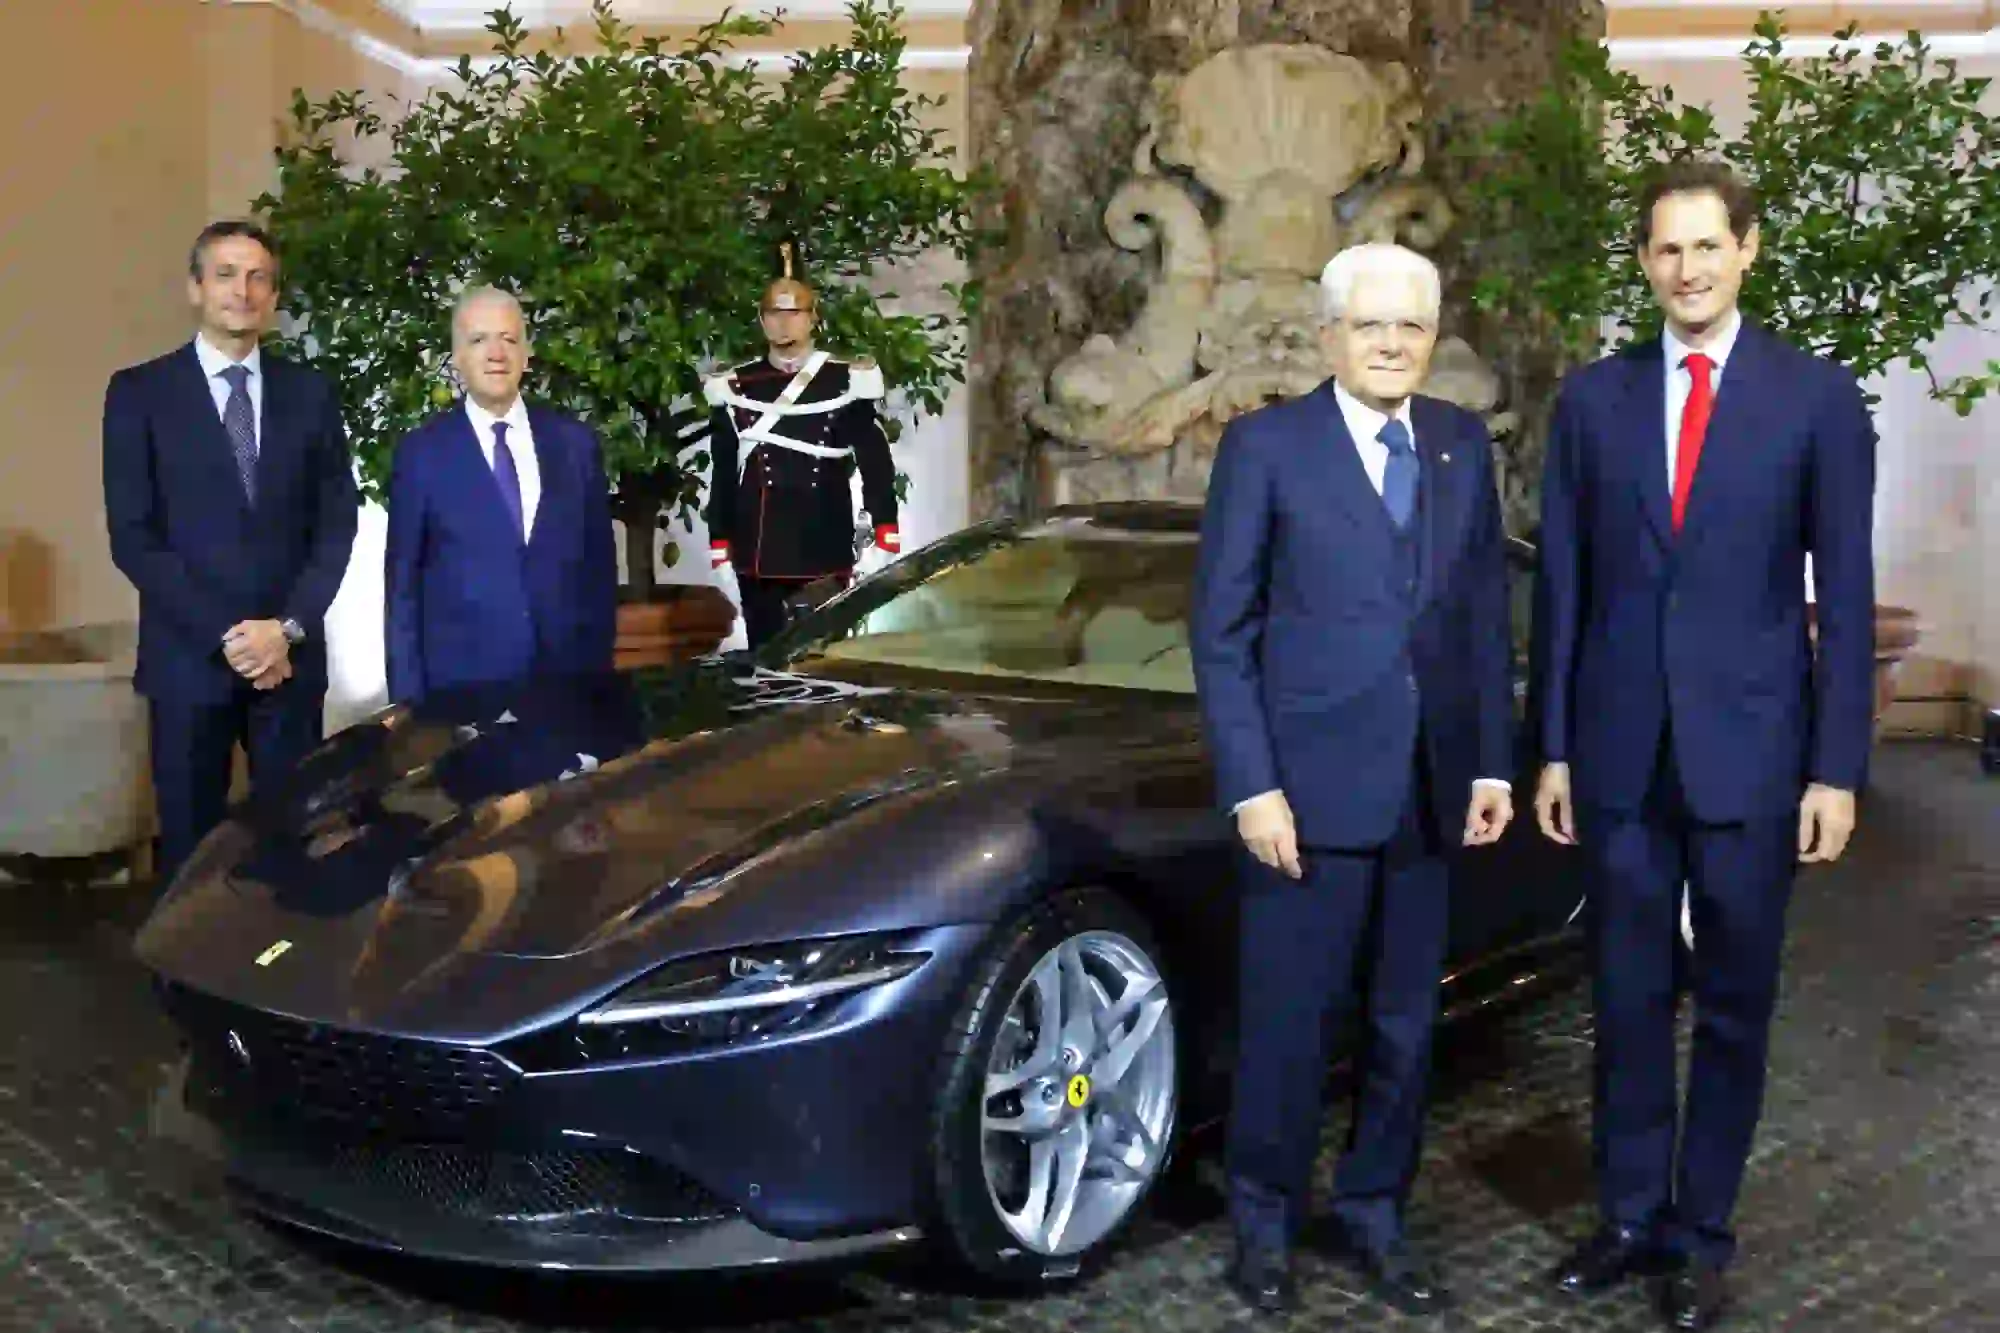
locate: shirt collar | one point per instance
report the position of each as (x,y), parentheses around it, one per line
(483,421)
(1365,422)
(1717,351)
(214,360)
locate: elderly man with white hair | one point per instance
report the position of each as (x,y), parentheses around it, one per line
(1351,647)
(500,562)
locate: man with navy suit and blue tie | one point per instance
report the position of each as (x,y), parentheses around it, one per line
(1695,742)
(500,562)
(1351,649)
(230,503)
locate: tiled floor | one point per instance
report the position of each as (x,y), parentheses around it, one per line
(1873,1202)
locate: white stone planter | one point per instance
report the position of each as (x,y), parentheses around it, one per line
(73,751)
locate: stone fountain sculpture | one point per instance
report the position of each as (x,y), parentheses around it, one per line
(1303,151)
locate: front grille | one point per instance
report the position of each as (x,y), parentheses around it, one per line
(359,1081)
(561,1188)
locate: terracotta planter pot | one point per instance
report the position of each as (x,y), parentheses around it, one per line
(681,621)
(1896,633)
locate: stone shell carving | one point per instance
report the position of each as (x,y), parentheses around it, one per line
(1299,151)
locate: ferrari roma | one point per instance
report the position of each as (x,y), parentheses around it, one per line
(918,924)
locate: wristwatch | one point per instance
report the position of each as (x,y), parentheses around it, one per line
(295,633)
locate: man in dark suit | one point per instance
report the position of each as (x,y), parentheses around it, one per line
(500,561)
(1690,735)
(787,433)
(230,500)
(1351,651)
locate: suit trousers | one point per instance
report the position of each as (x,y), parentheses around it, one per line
(193,745)
(1367,924)
(1738,878)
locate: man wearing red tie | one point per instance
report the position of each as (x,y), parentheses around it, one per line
(1691,735)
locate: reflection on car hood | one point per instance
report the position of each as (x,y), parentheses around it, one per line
(553,818)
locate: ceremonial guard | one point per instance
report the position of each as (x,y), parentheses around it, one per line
(787,432)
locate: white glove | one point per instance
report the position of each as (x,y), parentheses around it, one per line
(739,633)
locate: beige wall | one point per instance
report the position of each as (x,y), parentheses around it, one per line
(105,181)
(156,117)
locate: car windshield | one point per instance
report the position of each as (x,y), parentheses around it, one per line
(1065,602)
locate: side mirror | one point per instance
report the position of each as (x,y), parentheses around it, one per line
(816,594)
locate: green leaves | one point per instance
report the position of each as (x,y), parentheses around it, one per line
(1878,173)
(633,198)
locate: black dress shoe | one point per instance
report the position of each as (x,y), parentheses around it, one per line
(1611,1255)
(1263,1278)
(1694,1298)
(1400,1276)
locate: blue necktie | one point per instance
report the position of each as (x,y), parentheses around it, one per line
(1399,477)
(510,480)
(241,424)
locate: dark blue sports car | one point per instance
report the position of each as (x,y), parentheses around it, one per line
(918,924)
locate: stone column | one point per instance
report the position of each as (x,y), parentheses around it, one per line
(1055,91)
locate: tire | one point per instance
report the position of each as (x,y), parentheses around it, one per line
(988,1180)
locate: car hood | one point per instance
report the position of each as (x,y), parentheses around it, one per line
(564,816)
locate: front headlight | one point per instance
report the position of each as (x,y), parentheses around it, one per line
(739,992)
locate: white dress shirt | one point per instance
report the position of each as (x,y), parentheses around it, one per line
(1680,380)
(213,362)
(521,444)
(1364,425)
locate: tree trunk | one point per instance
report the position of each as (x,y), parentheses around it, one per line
(1055,96)
(640,539)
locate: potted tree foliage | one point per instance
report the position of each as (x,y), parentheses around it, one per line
(1879,178)
(634,198)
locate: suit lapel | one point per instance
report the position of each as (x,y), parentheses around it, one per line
(278,433)
(479,480)
(205,432)
(1442,509)
(1355,495)
(1646,454)
(548,456)
(1730,450)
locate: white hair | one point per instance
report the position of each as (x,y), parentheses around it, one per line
(1375,259)
(473,296)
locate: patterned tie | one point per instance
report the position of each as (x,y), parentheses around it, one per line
(241,424)
(1694,426)
(1399,477)
(510,480)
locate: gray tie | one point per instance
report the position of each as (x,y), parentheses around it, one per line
(241,423)
(1399,477)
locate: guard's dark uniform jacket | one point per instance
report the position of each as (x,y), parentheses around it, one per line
(779,492)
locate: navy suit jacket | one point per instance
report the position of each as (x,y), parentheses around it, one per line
(1639,627)
(467,601)
(1313,669)
(202,557)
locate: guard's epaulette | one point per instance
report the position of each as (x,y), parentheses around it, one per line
(864,378)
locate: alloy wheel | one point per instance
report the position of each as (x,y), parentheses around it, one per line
(1080,1093)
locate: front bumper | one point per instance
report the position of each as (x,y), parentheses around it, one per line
(803,1148)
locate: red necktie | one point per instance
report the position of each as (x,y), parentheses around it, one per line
(1694,425)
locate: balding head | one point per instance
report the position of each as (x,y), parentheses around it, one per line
(489,346)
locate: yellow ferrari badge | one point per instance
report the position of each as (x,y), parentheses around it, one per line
(1079,1090)
(272,954)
